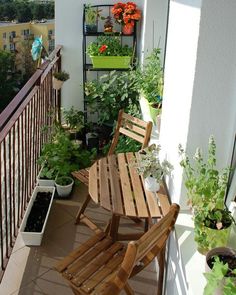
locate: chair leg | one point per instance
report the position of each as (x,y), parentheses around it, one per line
(128,289)
(161,262)
(82,208)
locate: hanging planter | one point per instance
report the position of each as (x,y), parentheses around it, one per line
(36,215)
(59,78)
(111,62)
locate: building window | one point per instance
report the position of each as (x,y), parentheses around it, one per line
(13,34)
(12,46)
(50,32)
(4,47)
(4,35)
(25,32)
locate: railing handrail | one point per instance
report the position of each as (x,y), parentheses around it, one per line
(22,94)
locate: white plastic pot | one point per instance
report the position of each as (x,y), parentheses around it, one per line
(35,238)
(64,190)
(151,184)
(44,182)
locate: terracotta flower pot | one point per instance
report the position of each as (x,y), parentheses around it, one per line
(127,30)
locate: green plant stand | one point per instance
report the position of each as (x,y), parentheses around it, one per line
(111,62)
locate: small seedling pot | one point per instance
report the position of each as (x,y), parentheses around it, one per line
(64,191)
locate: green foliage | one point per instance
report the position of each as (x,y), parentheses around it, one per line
(91,15)
(206,188)
(110,93)
(74,118)
(9,79)
(24,11)
(149,163)
(217,279)
(62,75)
(64,180)
(61,156)
(150,78)
(108,46)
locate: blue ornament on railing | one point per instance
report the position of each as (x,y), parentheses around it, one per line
(37,47)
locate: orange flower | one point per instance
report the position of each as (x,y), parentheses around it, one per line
(126,13)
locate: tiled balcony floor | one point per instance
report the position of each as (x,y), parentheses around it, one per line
(30,269)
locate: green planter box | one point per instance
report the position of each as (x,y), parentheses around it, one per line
(111,62)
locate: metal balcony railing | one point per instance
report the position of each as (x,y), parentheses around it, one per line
(21,140)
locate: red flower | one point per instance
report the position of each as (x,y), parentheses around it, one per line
(103,48)
(126,13)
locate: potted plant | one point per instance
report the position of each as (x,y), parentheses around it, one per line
(64,156)
(206,187)
(64,185)
(47,175)
(91,17)
(108,25)
(110,93)
(36,215)
(151,168)
(74,121)
(126,14)
(221,272)
(150,82)
(59,78)
(108,52)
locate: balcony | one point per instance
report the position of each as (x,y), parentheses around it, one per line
(21,141)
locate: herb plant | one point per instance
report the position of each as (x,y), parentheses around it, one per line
(74,118)
(206,188)
(150,79)
(221,276)
(149,163)
(108,46)
(62,75)
(91,15)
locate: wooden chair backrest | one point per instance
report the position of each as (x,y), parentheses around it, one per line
(132,127)
(141,252)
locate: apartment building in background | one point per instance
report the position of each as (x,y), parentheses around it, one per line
(12,34)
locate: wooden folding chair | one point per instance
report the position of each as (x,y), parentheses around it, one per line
(129,126)
(103,267)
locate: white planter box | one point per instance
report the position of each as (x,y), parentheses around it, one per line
(35,238)
(44,182)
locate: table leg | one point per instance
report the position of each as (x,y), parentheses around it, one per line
(115,221)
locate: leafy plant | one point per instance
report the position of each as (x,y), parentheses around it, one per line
(62,75)
(64,180)
(62,156)
(91,15)
(74,118)
(150,78)
(110,93)
(206,188)
(108,46)
(149,163)
(221,276)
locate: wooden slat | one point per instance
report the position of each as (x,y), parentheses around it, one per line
(134,128)
(98,262)
(135,120)
(126,188)
(78,252)
(104,187)
(137,187)
(116,196)
(164,203)
(152,204)
(131,134)
(82,175)
(77,266)
(104,272)
(93,184)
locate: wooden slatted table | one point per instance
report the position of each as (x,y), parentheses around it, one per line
(115,185)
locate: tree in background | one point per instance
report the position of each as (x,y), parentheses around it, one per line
(24,13)
(9,79)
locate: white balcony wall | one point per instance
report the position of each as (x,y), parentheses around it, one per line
(199,100)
